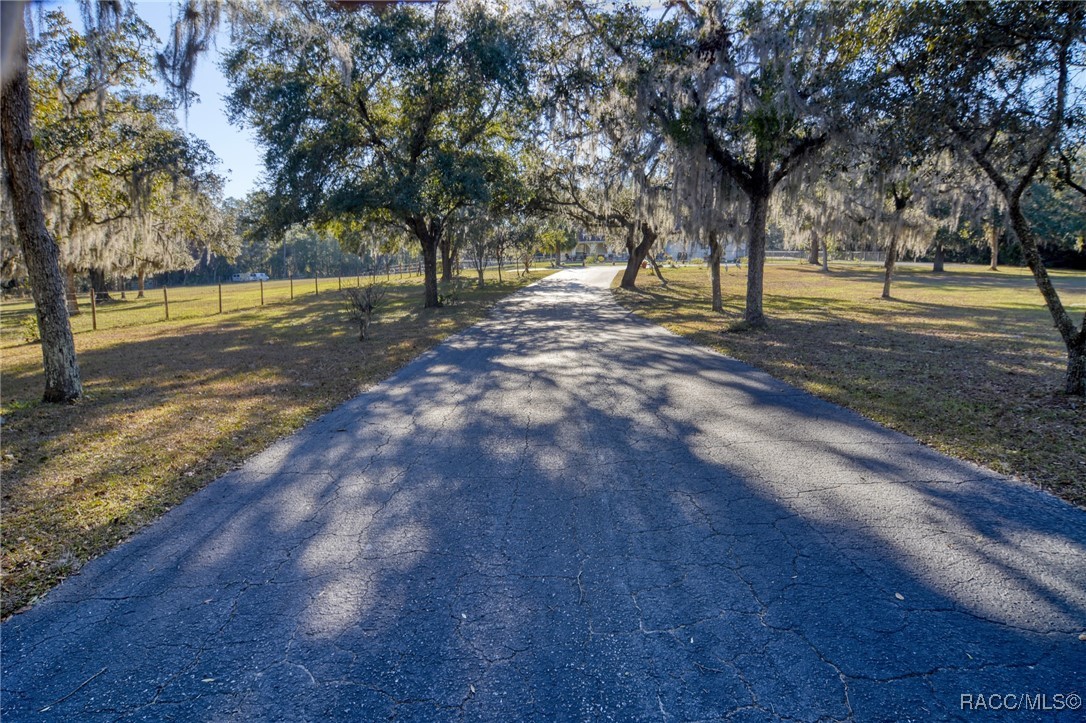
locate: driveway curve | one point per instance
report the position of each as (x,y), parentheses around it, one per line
(567,513)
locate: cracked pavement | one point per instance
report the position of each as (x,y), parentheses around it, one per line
(567,513)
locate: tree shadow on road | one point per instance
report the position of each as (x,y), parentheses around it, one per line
(518,526)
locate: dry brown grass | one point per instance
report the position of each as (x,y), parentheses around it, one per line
(172,405)
(967,361)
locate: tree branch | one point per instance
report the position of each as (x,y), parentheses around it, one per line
(805,147)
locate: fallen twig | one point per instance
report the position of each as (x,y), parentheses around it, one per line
(76,690)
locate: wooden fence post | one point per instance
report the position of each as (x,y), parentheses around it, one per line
(316,290)
(340,279)
(166,300)
(94,311)
(291,277)
(220,298)
(262,292)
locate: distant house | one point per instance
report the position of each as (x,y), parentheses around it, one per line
(590,245)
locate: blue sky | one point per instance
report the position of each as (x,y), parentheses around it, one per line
(236,148)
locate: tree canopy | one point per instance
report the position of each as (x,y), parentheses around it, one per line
(995,83)
(402,116)
(722,122)
(125,189)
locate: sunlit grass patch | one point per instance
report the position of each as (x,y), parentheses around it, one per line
(185,302)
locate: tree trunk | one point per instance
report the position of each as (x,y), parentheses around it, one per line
(825,257)
(1076,365)
(937,267)
(891,252)
(499,255)
(715,252)
(759,212)
(1073,338)
(890,263)
(429,270)
(637,253)
(40,253)
(655,269)
(812,257)
(70,292)
(142,276)
(430,238)
(480,270)
(446,258)
(993,245)
(100,284)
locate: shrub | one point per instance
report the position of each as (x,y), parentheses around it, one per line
(362,302)
(450,295)
(31,333)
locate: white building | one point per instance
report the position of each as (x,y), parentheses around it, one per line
(590,245)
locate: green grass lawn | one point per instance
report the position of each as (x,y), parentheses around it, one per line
(169,406)
(967,361)
(186,302)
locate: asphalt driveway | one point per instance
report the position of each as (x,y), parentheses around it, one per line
(566,513)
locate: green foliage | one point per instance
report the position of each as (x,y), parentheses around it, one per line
(405,112)
(522,241)
(401,116)
(1000,83)
(451,292)
(125,189)
(31,332)
(554,237)
(1057,214)
(311,252)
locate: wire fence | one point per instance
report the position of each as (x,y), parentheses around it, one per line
(95,312)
